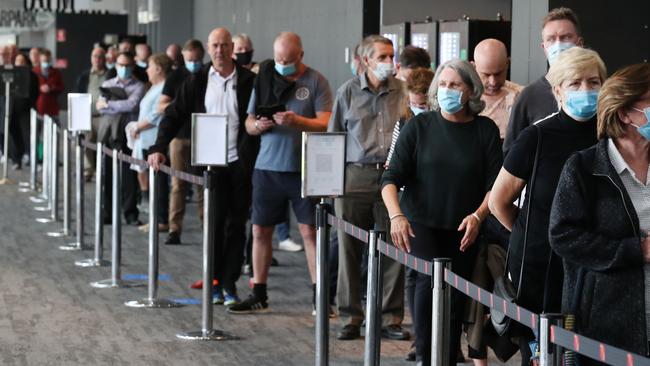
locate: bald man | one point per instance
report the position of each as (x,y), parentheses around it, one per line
(302,101)
(491,63)
(89,82)
(224,88)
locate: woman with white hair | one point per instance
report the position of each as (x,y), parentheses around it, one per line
(535,161)
(446,160)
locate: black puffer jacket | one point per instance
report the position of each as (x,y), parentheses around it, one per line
(595,229)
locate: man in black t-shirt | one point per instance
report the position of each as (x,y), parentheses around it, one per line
(179,148)
(560,31)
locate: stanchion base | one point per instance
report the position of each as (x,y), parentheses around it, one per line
(109,283)
(152,303)
(92,263)
(37,199)
(23,184)
(6,182)
(73,247)
(43,208)
(45,220)
(24,189)
(213,335)
(57,234)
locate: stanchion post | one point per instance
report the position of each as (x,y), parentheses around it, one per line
(65,231)
(440,313)
(373,302)
(53,182)
(79,196)
(550,354)
(45,170)
(98,260)
(5,179)
(207,332)
(116,232)
(322,284)
(33,148)
(152,300)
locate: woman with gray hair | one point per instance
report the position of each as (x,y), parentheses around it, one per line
(446,160)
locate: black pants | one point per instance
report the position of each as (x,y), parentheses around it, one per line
(130,189)
(435,243)
(233,199)
(17,142)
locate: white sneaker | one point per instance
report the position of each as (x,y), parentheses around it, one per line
(289,245)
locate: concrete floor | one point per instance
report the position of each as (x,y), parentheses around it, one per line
(49,315)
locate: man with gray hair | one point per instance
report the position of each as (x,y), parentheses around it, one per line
(366,108)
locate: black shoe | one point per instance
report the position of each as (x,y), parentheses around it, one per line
(349,332)
(395,332)
(174,238)
(133,221)
(251,305)
(274,262)
(411,355)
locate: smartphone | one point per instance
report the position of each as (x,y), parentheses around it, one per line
(269,110)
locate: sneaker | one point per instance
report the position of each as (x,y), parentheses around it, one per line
(249,306)
(230,298)
(289,245)
(332,313)
(174,238)
(25,159)
(145,228)
(217,296)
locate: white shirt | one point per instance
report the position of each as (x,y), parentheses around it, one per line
(640,196)
(221,98)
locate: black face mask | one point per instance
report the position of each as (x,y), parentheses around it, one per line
(244,58)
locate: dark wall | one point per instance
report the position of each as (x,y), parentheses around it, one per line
(397,11)
(82,31)
(620,34)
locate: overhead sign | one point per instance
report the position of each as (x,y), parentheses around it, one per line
(17,21)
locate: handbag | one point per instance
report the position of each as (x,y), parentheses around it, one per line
(503,286)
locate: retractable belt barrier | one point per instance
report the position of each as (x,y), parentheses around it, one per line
(439,269)
(556,335)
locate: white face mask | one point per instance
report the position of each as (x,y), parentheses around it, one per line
(383,70)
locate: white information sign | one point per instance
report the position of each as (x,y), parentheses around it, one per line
(79,112)
(323,164)
(209,139)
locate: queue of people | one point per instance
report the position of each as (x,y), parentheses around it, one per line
(547,183)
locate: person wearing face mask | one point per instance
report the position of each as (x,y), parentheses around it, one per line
(119,106)
(600,219)
(536,159)
(415,103)
(111,57)
(89,82)
(410,59)
(219,87)
(491,63)
(50,83)
(367,108)
(560,31)
(443,204)
(307,100)
(179,147)
(243,52)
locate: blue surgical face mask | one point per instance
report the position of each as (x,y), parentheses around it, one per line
(353,68)
(581,104)
(644,130)
(193,66)
(450,100)
(557,48)
(383,70)
(123,72)
(141,64)
(417,110)
(45,65)
(110,65)
(285,70)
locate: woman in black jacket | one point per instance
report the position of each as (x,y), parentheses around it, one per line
(600,219)
(576,76)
